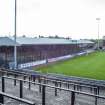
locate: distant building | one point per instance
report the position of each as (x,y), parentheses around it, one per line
(104,41)
(36,49)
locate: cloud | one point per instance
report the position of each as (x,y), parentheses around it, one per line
(76,18)
(28,6)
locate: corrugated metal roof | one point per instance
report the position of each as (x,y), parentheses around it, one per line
(37,41)
(9,41)
(6,41)
(84,41)
(27,40)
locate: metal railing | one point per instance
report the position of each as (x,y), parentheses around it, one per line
(2,95)
(56,81)
(43,88)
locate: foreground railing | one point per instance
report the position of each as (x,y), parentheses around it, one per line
(76,85)
(2,95)
(43,86)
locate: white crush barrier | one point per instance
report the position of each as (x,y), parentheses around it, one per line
(60,58)
(81,53)
(30,64)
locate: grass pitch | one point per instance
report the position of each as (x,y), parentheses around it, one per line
(89,66)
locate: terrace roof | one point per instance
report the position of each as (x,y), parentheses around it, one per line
(44,41)
(6,41)
(9,41)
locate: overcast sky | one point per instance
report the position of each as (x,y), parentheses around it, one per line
(73,18)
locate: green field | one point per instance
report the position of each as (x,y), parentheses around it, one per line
(89,66)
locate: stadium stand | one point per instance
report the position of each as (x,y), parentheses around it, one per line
(33,51)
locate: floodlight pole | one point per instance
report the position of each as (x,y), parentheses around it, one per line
(98,20)
(15,31)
